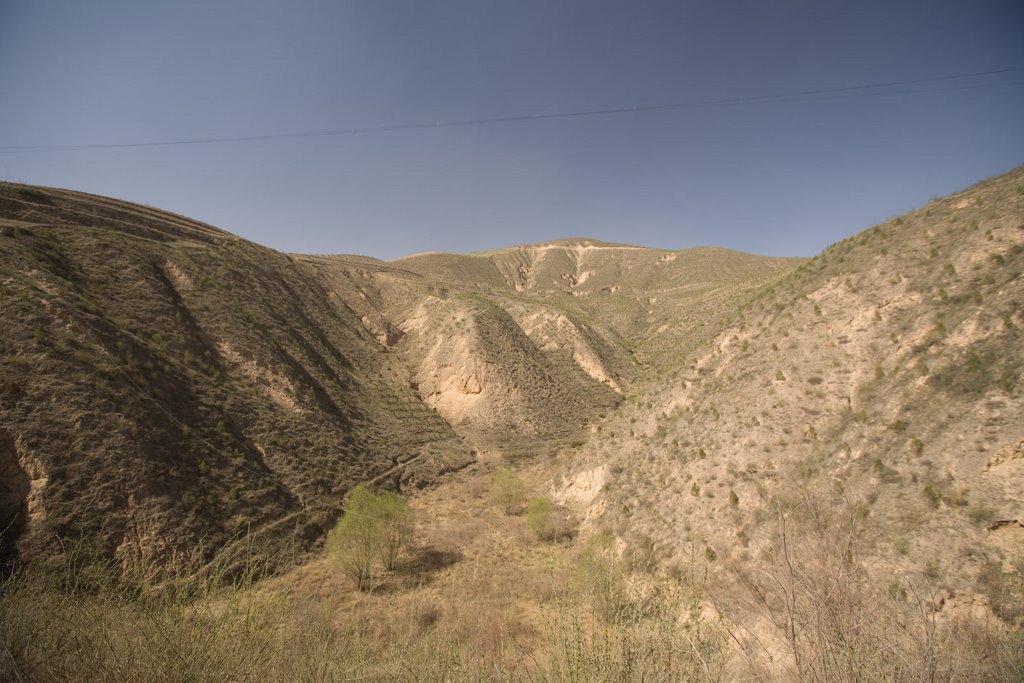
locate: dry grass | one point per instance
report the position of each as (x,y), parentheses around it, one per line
(811,611)
(480,598)
(477,597)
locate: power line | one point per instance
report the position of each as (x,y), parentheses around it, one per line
(795,96)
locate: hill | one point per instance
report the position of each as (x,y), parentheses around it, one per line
(881,378)
(167,386)
(534,341)
(651,301)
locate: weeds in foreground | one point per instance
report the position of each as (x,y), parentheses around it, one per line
(811,614)
(825,619)
(595,624)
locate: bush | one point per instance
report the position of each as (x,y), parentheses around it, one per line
(354,540)
(396,528)
(507,491)
(838,623)
(373,527)
(538,517)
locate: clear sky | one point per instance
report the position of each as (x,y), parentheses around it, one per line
(777,177)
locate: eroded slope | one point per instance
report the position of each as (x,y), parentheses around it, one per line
(886,371)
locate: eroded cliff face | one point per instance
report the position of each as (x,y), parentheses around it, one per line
(477,368)
(22,481)
(556,332)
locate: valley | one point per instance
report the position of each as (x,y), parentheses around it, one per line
(758,468)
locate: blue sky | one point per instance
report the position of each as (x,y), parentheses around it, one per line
(776,178)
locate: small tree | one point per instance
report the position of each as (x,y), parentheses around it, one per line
(355,539)
(507,491)
(395,519)
(538,517)
(374,526)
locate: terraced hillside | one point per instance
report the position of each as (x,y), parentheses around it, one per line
(656,303)
(881,379)
(168,386)
(520,347)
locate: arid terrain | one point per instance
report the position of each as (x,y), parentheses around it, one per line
(726,466)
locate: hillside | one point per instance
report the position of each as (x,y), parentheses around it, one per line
(656,303)
(167,386)
(534,341)
(877,385)
(467,358)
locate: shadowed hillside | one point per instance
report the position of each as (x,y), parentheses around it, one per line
(166,385)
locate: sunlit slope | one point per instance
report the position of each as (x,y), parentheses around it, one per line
(887,369)
(657,304)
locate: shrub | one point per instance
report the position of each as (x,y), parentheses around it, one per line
(32,194)
(981,513)
(373,527)
(835,621)
(538,517)
(354,540)
(507,491)
(395,520)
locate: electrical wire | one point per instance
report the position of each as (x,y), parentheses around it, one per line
(795,96)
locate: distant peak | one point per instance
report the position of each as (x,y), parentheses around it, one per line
(577,242)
